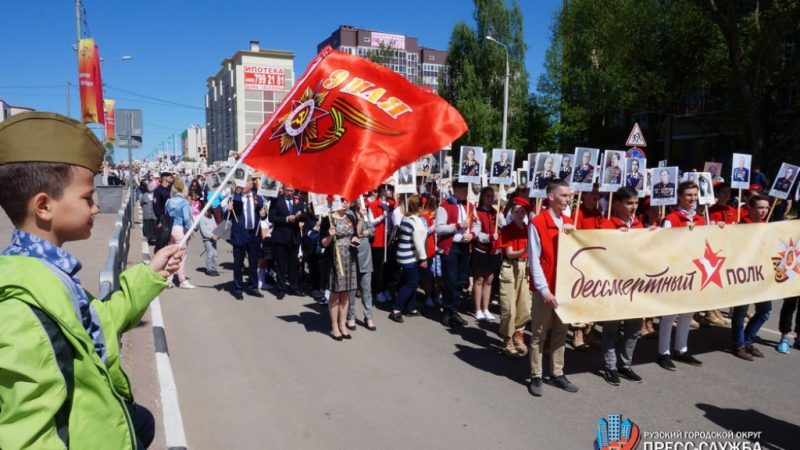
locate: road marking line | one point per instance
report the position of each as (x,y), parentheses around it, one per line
(174,433)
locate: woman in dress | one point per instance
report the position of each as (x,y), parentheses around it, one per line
(339,233)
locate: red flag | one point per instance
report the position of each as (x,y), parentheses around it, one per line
(348,124)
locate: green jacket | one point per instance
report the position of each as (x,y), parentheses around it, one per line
(32,386)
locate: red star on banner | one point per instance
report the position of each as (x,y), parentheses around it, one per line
(710,265)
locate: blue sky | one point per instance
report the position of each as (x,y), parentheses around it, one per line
(177,45)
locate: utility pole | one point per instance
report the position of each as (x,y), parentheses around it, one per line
(78,22)
(68,100)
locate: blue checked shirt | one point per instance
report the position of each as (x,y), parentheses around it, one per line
(66,267)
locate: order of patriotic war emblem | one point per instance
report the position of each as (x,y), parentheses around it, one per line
(311,127)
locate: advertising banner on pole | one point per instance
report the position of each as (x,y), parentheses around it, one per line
(110,121)
(90,82)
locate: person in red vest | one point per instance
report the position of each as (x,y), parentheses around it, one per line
(618,357)
(589,218)
(684,216)
(485,257)
(542,258)
(379,208)
(453,226)
(722,211)
(743,337)
(515,295)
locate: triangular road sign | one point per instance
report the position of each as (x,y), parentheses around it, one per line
(636,138)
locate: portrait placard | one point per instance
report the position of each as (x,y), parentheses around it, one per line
(612,175)
(636,175)
(502,166)
(469,165)
(784,181)
(715,169)
(584,171)
(405,180)
(740,171)
(664,189)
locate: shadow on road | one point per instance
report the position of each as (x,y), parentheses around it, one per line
(314,321)
(775,433)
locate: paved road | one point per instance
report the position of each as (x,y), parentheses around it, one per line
(263,373)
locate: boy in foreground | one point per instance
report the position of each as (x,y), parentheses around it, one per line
(61,382)
(543,237)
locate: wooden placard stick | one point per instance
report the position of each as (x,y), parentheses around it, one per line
(772,208)
(578,209)
(739,208)
(610,201)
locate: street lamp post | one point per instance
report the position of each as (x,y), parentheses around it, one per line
(505,90)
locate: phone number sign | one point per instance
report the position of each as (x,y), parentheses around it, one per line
(262,78)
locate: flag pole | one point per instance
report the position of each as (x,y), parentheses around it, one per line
(243,154)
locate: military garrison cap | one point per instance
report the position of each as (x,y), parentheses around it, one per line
(49,137)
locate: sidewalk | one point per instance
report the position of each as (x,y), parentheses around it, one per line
(137,346)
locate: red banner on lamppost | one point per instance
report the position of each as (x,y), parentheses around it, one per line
(91,84)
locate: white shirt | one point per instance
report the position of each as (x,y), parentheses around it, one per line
(535,253)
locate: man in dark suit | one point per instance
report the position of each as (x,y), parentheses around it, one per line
(246,239)
(285,216)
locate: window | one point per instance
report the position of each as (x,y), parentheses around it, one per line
(366,39)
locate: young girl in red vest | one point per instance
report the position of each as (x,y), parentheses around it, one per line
(684,216)
(543,236)
(515,295)
(485,258)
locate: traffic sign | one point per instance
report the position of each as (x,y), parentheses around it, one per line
(636,138)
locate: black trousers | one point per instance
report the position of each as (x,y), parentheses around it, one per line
(378,284)
(790,305)
(144,425)
(286,265)
(251,249)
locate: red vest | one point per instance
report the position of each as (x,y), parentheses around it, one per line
(445,242)
(590,219)
(487,220)
(380,228)
(678,219)
(548,237)
(722,213)
(616,223)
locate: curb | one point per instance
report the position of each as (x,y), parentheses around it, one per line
(175,436)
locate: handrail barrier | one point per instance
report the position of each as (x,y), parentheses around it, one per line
(118,246)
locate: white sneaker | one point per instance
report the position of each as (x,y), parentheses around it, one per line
(489,316)
(479,315)
(186,285)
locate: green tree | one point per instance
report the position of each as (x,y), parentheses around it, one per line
(476,76)
(617,62)
(762,39)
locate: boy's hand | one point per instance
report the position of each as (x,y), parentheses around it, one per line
(166,261)
(550,300)
(568,228)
